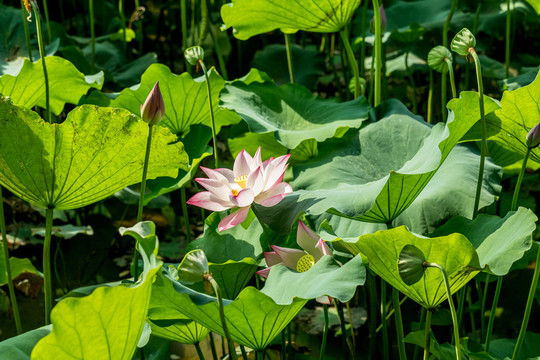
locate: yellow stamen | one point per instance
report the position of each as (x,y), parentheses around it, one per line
(241,181)
(235,192)
(305,263)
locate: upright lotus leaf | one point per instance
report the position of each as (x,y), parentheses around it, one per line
(185,98)
(454,252)
(253,17)
(172,325)
(325,278)
(66,84)
(20,347)
(193,267)
(520,112)
(499,242)
(253,318)
(106,324)
(291,111)
(93,154)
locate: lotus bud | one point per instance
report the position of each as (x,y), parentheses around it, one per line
(153,109)
(194,54)
(437,58)
(533,137)
(463,41)
(383,21)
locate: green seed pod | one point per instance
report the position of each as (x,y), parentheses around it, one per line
(411,264)
(436,58)
(194,54)
(463,41)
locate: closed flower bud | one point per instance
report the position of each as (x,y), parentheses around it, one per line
(383,21)
(533,137)
(153,109)
(194,54)
(437,58)
(463,41)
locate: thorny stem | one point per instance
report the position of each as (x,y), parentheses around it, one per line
(214,140)
(288,47)
(12,295)
(378,53)
(47,277)
(399,325)
(352,60)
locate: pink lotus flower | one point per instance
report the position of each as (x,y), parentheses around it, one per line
(251,180)
(153,109)
(299,260)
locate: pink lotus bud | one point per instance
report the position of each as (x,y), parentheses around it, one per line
(533,137)
(153,109)
(383,21)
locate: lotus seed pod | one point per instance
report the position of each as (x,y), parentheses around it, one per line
(437,58)
(383,21)
(194,54)
(463,41)
(533,137)
(153,109)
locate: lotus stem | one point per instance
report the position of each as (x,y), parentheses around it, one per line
(363,46)
(492,313)
(214,140)
(213,346)
(471,314)
(399,325)
(461,306)
(123,23)
(217,290)
(443,98)
(507,40)
(390,313)
(451,76)
(378,53)
(219,54)
(415,106)
(520,180)
(344,336)
(289,57)
(42,54)
(185,213)
(430,98)
(183,20)
(386,355)
(283,341)
(26,32)
(47,277)
(451,305)
(289,338)
(349,314)
(453,7)
(243,350)
(422,323)
(203,26)
(528,307)
(12,295)
(372,291)
(92,35)
(199,351)
(483,307)
(474,31)
(427,331)
(47,22)
(325,332)
(351,60)
(484,147)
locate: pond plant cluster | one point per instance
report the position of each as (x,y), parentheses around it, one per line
(373,171)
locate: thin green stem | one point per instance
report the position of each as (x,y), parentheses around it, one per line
(244,354)
(219,54)
(283,342)
(507,40)
(92,35)
(378,53)
(217,290)
(325,331)
(203,26)
(349,314)
(520,180)
(484,147)
(47,22)
(47,276)
(12,295)
(399,325)
(451,76)
(492,313)
(422,323)
(363,34)
(409,72)
(528,307)
(385,349)
(427,331)
(213,346)
(430,98)
(289,339)
(461,306)
(26,32)
(185,213)
(352,60)
(453,8)
(199,351)
(288,47)
(471,313)
(260,355)
(42,54)
(483,307)
(372,291)
(390,314)
(443,98)
(452,308)
(209,92)
(474,31)
(123,23)
(344,336)
(183,20)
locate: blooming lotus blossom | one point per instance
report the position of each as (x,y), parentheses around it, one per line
(251,180)
(313,247)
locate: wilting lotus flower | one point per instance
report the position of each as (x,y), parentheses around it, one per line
(251,180)
(299,260)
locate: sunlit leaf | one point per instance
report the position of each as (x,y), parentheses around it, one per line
(20,347)
(172,325)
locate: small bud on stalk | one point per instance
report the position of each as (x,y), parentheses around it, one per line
(383,21)
(153,109)
(194,54)
(463,42)
(533,137)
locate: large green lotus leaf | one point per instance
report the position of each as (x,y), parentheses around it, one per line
(253,17)
(185,98)
(253,318)
(171,324)
(454,252)
(325,278)
(94,153)
(499,242)
(104,325)
(291,111)
(66,84)
(374,174)
(20,347)
(236,243)
(520,112)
